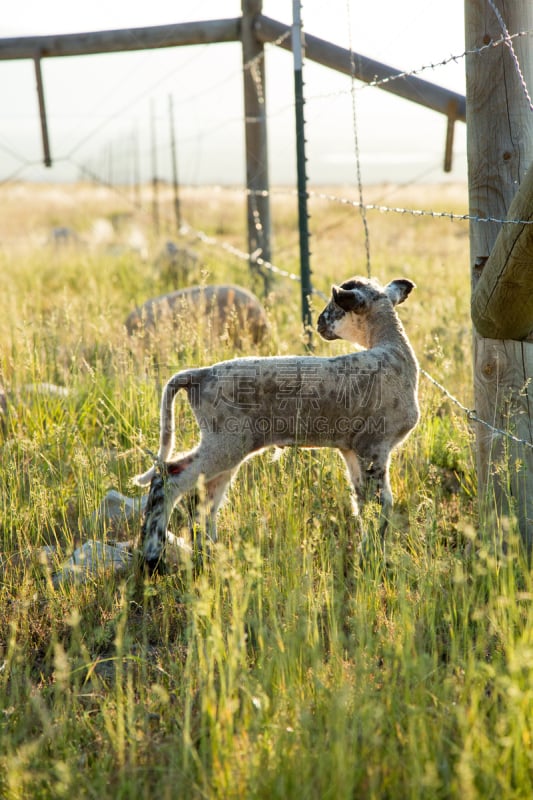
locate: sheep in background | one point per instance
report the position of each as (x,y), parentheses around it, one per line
(222,310)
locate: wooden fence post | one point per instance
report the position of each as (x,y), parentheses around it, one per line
(155,178)
(500,149)
(502,303)
(136,167)
(174,160)
(47,158)
(258,199)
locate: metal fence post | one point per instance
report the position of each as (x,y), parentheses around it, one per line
(303,216)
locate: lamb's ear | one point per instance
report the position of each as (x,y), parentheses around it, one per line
(397,291)
(348,299)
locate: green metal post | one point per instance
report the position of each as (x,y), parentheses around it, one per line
(303,216)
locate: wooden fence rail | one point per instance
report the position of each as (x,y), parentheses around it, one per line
(266,30)
(365,69)
(118,41)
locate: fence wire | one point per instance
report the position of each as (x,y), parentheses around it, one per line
(414,212)
(471,413)
(507,40)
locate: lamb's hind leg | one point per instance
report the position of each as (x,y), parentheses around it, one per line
(354,474)
(208,503)
(167,486)
(176,479)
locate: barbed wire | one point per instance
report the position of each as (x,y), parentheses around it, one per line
(11,152)
(251,65)
(363,207)
(254,259)
(252,62)
(472,414)
(448,60)
(506,38)
(507,41)
(131,103)
(419,212)
(18,171)
(415,212)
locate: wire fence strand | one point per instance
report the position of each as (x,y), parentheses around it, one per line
(414,212)
(508,42)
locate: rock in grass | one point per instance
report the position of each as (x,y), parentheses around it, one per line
(115,512)
(91,559)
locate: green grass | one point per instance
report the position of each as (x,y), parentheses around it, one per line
(284,670)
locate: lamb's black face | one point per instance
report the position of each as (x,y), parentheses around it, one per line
(344,315)
(326,321)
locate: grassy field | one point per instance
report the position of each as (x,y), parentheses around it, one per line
(284,670)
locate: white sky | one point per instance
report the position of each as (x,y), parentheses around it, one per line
(96,103)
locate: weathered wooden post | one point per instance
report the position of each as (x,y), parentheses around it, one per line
(136,168)
(258,199)
(174,161)
(155,179)
(47,158)
(500,150)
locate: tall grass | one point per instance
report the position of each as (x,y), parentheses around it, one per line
(284,669)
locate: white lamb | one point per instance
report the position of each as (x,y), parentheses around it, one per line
(364,404)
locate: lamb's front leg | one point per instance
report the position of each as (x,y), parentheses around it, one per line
(370,481)
(375,486)
(354,473)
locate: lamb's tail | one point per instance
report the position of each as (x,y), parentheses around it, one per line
(181,380)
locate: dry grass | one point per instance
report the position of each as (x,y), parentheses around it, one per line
(284,670)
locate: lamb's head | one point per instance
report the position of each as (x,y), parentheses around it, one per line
(355,303)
